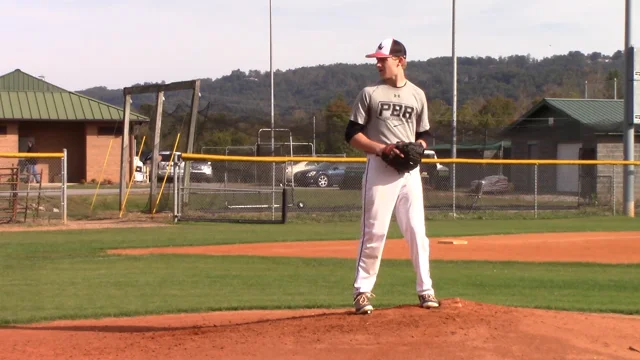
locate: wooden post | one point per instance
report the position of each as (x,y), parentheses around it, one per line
(195,101)
(15,186)
(26,200)
(153,178)
(124,148)
(159,89)
(132,156)
(39,196)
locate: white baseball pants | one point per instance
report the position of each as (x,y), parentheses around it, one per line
(383,191)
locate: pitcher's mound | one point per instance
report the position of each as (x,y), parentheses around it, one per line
(459,329)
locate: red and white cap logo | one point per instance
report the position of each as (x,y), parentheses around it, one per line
(388,48)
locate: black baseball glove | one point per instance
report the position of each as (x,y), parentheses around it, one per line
(407,157)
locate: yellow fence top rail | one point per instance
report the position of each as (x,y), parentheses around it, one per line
(284,159)
(31,155)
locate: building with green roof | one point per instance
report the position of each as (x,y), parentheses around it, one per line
(570,129)
(55,119)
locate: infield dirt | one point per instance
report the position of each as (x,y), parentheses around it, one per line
(460,329)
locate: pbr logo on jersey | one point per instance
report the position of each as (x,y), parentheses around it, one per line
(389,111)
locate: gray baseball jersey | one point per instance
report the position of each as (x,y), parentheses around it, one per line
(391,114)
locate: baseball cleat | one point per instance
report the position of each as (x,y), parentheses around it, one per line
(362,304)
(428,301)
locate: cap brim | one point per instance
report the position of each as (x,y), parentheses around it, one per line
(377,54)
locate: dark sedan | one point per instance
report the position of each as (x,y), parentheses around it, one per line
(324,175)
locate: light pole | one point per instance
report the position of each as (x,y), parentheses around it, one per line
(273,164)
(454,105)
(314,136)
(629,98)
(271,71)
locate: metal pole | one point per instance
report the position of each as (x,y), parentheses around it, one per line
(613,182)
(314,136)
(176,181)
(629,97)
(64,186)
(535,192)
(454,106)
(586,96)
(273,165)
(615,89)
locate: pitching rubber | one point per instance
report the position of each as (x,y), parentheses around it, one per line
(452,242)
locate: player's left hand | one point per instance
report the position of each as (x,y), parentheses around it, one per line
(403,156)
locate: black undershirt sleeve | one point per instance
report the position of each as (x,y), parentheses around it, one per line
(352,129)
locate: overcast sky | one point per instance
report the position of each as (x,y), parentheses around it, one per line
(77,44)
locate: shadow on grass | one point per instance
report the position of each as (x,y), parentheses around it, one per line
(148,329)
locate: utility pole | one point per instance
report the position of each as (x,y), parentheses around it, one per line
(454,106)
(273,165)
(586,92)
(630,111)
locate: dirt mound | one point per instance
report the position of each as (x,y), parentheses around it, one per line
(459,329)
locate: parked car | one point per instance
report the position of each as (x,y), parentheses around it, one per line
(140,174)
(434,175)
(352,178)
(292,168)
(200,171)
(324,175)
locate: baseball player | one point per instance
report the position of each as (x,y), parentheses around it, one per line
(391,110)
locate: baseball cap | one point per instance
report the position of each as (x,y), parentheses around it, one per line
(388,48)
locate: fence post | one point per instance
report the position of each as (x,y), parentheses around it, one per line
(453,188)
(535,191)
(285,207)
(176,172)
(613,184)
(63,194)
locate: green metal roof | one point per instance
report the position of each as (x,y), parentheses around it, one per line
(24,97)
(21,81)
(60,106)
(601,115)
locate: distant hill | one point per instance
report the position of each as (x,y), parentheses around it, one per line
(309,89)
(492,92)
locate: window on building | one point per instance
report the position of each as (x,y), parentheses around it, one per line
(3,130)
(109,130)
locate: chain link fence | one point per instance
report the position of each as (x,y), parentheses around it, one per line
(328,189)
(318,189)
(33,188)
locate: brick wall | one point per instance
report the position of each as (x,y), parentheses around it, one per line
(9,143)
(86,149)
(97,149)
(53,137)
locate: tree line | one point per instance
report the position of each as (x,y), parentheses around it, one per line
(492,92)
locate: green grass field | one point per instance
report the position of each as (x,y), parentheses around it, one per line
(67,275)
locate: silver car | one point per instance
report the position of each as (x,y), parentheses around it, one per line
(200,171)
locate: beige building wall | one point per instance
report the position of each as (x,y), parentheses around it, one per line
(8,144)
